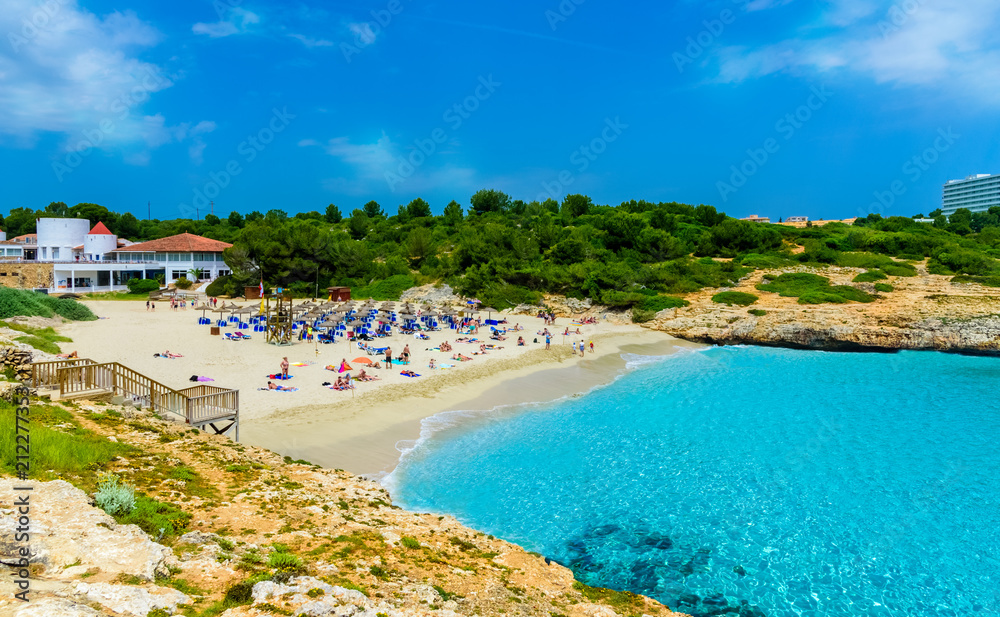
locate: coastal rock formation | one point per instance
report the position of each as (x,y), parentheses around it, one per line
(925,312)
(435,294)
(70,536)
(273,536)
(131,600)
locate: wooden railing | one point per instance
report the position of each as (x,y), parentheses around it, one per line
(45,374)
(198,405)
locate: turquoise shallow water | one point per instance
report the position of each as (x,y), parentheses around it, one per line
(747,481)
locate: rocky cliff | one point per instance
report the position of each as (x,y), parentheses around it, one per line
(239,531)
(926,312)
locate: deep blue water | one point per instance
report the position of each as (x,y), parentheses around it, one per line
(748,481)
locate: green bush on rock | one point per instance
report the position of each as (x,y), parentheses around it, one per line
(738,298)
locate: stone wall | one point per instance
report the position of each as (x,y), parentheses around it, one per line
(26,275)
(17,359)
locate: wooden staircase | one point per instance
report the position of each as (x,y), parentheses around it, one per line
(201,406)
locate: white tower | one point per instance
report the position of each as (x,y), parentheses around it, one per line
(58,237)
(99,242)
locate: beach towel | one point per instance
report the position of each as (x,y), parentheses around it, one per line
(302,363)
(446,365)
(409,375)
(282,389)
(200,378)
(278,376)
(344,367)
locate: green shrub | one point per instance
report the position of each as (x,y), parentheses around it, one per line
(813,289)
(641,316)
(284,562)
(739,298)
(884,287)
(114,497)
(764,262)
(388,289)
(757,312)
(409,542)
(900,269)
(142,286)
(153,516)
(15,302)
(869,277)
(658,303)
(219,287)
(183,283)
(987,281)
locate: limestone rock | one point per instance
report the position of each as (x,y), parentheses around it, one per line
(431,293)
(55,607)
(68,530)
(132,600)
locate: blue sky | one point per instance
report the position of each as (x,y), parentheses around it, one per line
(776,107)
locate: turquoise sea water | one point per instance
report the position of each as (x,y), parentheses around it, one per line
(747,481)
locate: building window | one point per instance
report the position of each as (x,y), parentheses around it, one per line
(55,253)
(176,274)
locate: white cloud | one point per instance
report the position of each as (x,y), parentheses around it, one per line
(238,21)
(760,5)
(311,42)
(372,164)
(932,44)
(70,72)
(362,32)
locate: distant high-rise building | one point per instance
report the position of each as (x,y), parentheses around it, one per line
(977,193)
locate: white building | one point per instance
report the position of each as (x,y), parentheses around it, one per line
(977,193)
(797,219)
(94,259)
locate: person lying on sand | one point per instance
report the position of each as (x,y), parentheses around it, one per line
(167,354)
(363,376)
(461,358)
(72,354)
(409,374)
(273,386)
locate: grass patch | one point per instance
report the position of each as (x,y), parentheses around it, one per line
(116,296)
(623,601)
(156,517)
(42,339)
(813,289)
(738,298)
(869,277)
(55,451)
(409,542)
(757,312)
(987,281)
(884,287)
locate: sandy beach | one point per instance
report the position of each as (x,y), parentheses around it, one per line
(357,430)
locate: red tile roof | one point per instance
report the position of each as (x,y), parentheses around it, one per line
(100,229)
(181,243)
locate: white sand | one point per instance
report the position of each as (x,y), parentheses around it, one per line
(356,430)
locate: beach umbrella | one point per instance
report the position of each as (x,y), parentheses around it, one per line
(489,310)
(362,360)
(328,324)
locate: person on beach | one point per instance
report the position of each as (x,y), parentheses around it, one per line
(581,348)
(591,346)
(388,357)
(153,305)
(431,364)
(284,368)
(574,348)
(520,341)
(147,305)
(406,353)
(548,340)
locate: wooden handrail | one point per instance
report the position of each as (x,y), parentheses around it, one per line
(197,405)
(45,374)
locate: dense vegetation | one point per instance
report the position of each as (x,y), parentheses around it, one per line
(506,251)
